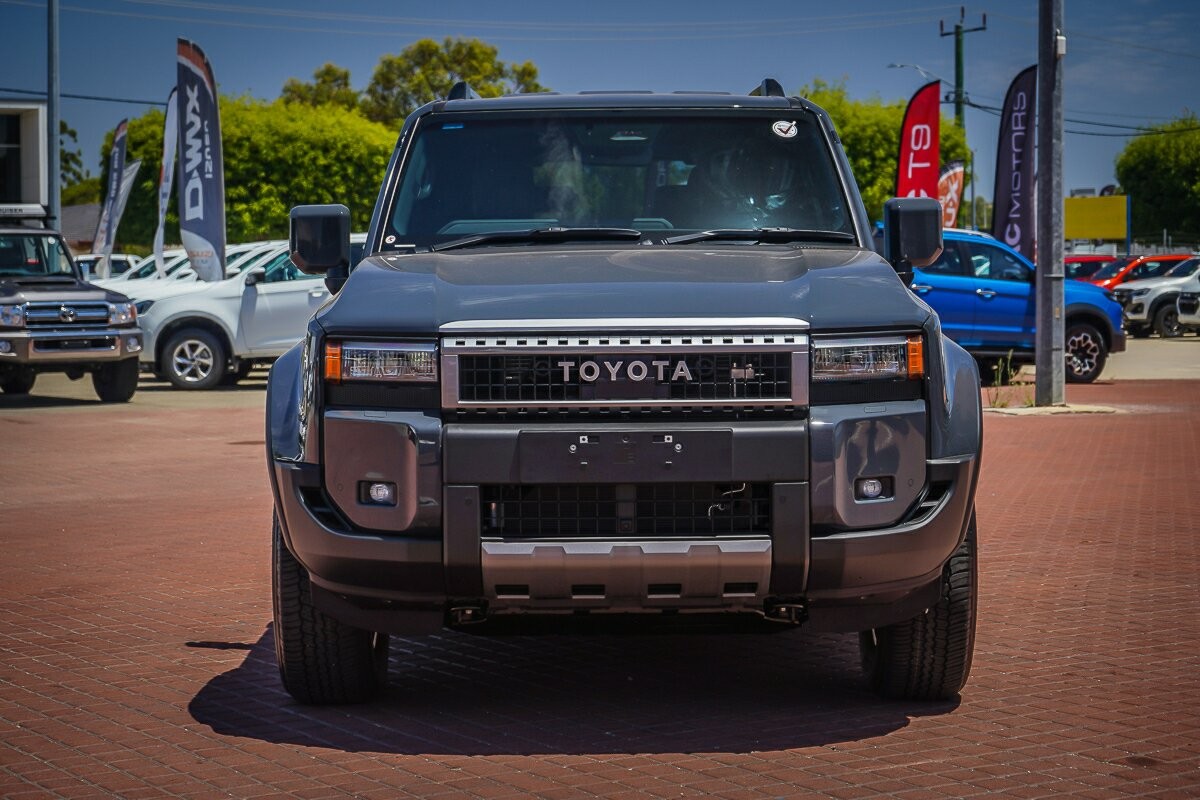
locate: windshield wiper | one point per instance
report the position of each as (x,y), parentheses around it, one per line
(541,235)
(762,235)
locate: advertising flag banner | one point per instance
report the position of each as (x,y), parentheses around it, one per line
(917,165)
(1013,220)
(127,179)
(950,191)
(166,176)
(106,230)
(201,182)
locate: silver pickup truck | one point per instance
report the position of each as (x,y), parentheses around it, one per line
(622,357)
(53,321)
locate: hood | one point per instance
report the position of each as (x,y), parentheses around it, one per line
(54,289)
(1152,283)
(831,288)
(160,289)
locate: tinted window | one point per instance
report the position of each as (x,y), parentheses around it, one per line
(1112,270)
(1150,269)
(469,174)
(1184,269)
(32,255)
(948,263)
(988,261)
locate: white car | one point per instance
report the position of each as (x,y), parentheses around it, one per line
(199,339)
(183,280)
(174,260)
(1188,308)
(1150,304)
(118,264)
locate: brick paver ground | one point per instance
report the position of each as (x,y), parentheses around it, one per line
(136,656)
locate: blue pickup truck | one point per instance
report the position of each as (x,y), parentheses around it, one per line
(983,292)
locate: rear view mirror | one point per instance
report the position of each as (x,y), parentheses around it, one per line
(912,233)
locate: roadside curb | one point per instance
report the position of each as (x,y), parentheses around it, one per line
(1039,411)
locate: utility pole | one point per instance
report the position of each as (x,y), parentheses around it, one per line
(53,165)
(957,33)
(1048,339)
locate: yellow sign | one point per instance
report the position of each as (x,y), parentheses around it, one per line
(1095,217)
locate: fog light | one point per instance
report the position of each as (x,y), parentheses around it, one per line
(872,488)
(5,347)
(133,344)
(380,494)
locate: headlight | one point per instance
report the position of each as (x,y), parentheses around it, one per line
(12,316)
(121,313)
(1140,292)
(402,362)
(142,306)
(875,358)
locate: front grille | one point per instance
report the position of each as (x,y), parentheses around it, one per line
(563,377)
(65,315)
(664,509)
(598,373)
(1122,297)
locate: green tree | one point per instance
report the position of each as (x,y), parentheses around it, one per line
(870,133)
(85,191)
(1161,174)
(70,159)
(277,155)
(330,86)
(426,70)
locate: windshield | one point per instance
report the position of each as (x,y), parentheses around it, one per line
(1111,270)
(33,255)
(654,173)
(1184,269)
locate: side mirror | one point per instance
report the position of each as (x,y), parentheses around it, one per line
(319,239)
(256,275)
(912,233)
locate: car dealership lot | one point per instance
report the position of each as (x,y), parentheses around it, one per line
(136,656)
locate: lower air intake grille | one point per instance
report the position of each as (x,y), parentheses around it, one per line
(666,509)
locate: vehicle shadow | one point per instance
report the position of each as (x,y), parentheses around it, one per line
(456,693)
(33,400)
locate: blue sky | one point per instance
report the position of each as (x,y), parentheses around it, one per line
(1129,62)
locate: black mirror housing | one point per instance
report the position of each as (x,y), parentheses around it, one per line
(319,239)
(912,233)
(255,276)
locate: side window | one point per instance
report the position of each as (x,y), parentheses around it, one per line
(280,268)
(988,261)
(948,263)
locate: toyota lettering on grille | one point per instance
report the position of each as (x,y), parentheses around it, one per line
(636,371)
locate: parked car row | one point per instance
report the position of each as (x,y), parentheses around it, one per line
(983,292)
(1151,304)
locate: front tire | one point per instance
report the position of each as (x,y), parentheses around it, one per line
(1166,322)
(929,656)
(117,382)
(194,359)
(1085,351)
(321,661)
(18,381)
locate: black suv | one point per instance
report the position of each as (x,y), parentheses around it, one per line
(51,320)
(622,356)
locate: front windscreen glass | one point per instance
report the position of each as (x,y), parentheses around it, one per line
(1111,270)
(32,255)
(661,173)
(1184,269)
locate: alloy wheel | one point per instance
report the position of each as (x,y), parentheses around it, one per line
(192,360)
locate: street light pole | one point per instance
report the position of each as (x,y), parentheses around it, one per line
(54,167)
(1048,338)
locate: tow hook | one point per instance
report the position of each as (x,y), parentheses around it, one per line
(467,615)
(787,613)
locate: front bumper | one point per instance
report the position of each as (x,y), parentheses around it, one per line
(402,568)
(55,349)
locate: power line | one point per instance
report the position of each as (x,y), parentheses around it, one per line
(615,37)
(1132,131)
(1119,42)
(85,97)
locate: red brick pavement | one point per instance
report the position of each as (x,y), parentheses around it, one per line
(136,656)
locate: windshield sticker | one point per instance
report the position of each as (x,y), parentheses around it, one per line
(390,240)
(785,129)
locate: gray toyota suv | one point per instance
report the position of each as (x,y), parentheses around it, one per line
(51,320)
(622,356)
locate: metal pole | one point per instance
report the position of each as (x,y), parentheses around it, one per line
(54,165)
(958,75)
(974,226)
(1052,46)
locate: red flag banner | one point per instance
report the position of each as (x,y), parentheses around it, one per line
(917,166)
(1012,209)
(950,191)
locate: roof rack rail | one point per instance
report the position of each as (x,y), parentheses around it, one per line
(462,91)
(768,88)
